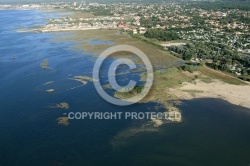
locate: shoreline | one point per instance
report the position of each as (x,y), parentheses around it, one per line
(189,88)
(235,94)
(44,30)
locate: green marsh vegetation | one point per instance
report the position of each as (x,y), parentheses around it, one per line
(129,92)
(166,79)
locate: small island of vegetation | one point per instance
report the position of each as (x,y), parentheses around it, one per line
(128,93)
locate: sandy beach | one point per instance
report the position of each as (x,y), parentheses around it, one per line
(235,94)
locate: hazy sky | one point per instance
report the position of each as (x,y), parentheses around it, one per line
(30,1)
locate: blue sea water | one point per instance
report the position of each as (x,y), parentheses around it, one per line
(213,131)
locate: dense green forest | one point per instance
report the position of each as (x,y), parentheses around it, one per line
(223,58)
(162,34)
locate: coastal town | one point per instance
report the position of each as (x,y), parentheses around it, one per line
(219,38)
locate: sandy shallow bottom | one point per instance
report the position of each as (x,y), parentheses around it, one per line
(235,94)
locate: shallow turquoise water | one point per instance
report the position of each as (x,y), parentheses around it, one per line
(213,132)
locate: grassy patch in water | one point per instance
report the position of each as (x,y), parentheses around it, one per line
(62,105)
(50,90)
(44,64)
(83,79)
(63,121)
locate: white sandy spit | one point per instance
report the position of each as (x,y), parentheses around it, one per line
(235,94)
